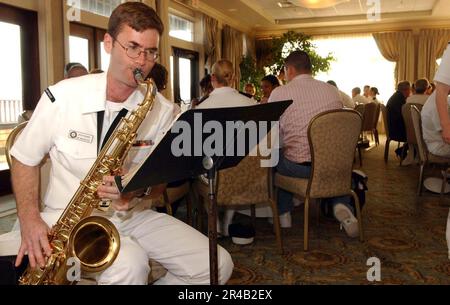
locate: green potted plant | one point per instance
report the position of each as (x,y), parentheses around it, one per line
(250,73)
(292,41)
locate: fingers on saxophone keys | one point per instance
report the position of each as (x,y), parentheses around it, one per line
(20,255)
(45,245)
(108,180)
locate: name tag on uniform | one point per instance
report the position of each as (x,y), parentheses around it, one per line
(81,136)
(140,143)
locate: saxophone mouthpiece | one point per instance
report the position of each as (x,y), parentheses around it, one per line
(138,75)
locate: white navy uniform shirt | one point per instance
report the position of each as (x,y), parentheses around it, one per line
(225,97)
(431,123)
(64,125)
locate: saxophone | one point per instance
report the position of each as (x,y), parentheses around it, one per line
(91,241)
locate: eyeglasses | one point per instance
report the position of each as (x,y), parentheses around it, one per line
(134,52)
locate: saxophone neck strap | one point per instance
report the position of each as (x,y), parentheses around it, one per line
(100,118)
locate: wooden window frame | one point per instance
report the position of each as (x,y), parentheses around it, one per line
(95,37)
(31,86)
(178,53)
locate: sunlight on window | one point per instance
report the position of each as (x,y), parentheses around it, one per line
(438,61)
(358,63)
(79,50)
(105,57)
(10,61)
(181,28)
(99,7)
(185,79)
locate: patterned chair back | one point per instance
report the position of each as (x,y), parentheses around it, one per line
(417,124)
(406,113)
(333,136)
(369,120)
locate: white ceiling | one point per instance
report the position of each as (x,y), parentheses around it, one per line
(266,14)
(352,7)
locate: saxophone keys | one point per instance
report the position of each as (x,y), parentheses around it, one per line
(104,204)
(57,245)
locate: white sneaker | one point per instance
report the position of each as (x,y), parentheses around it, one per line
(219,227)
(347,220)
(227,220)
(285,220)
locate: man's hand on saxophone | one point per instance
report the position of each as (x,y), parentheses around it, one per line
(33,229)
(34,232)
(123,202)
(109,190)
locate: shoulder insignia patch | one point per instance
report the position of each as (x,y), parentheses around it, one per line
(50,95)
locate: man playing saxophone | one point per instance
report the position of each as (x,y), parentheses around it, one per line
(70,123)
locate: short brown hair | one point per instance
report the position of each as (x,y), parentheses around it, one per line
(403,85)
(422,85)
(300,60)
(138,16)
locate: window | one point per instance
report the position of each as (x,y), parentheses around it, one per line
(438,61)
(86,46)
(104,57)
(10,74)
(358,63)
(184,74)
(99,7)
(79,50)
(20,86)
(181,28)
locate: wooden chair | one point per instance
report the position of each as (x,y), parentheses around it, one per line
(173,194)
(388,136)
(425,157)
(333,136)
(370,113)
(410,133)
(247,184)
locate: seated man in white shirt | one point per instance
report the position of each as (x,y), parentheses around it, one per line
(357,97)
(420,97)
(346,100)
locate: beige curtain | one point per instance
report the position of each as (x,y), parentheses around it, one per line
(211,41)
(232,49)
(162,8)
(431,45)
(398,47)
(250,43)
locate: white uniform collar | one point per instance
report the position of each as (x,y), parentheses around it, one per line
(222,90)
(97,101)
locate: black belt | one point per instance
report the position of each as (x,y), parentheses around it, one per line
(305,163)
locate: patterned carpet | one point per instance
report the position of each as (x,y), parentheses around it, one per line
(405,233)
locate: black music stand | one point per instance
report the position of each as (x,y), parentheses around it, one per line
(163,166)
